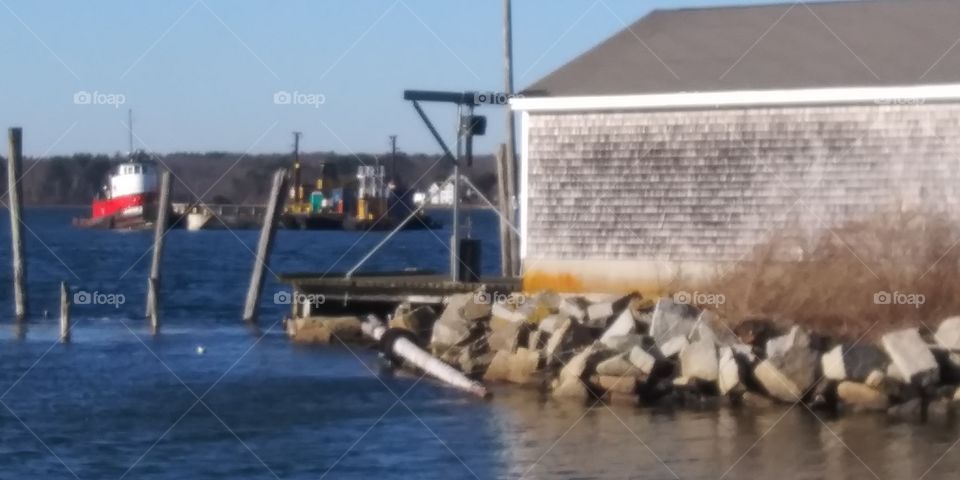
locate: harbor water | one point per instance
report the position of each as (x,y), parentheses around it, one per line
(210,398)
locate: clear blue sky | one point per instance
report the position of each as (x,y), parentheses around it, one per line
(201,74)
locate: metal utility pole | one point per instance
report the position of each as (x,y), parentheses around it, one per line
(512,251)
(455,238)
(296,168)
(393,159)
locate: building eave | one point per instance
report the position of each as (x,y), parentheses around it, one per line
(909,94)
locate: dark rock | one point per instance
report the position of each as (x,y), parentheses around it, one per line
(911,410)
(854,363)
(756,332)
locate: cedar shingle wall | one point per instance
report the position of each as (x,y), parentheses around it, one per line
(707,185)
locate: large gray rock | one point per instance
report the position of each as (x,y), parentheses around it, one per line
(948,338)
(623,343)
(519,367)
(504,334)
(503,311)
(674,346)
(576,368)
(671,319)
(574,308)
(948,334)
(862,397)
(699,360)
(791,370)
(551,323)
(728,371)
(776,383)
(454,323)
(642,359)
(617,366)
(711,327)
(617,385)
(777,346)
(854,362)
(912,357)
(625,324)
(599,313)
(417,320)
(570,336)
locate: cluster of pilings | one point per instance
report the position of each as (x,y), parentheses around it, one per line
(162,224)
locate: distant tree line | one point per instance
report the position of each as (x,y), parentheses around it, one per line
(222,177)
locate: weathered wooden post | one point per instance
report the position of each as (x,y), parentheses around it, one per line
(161,224)
(153,305)
(64,313)
(15,201)
(511,160)
(506,236)
(267,233)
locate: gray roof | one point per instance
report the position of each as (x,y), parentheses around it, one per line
(791,45)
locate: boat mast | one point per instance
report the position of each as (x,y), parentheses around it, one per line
(130,132)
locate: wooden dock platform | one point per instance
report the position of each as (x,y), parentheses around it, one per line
(380,293)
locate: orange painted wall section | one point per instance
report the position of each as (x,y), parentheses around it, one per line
(604,276)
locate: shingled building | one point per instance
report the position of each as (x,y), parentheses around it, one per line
(684,140)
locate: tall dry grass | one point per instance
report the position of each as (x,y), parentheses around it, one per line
(836,281)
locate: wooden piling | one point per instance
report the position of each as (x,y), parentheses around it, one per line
(64,313)
(264,245)
(161,223)
(511,153)
(506,242)
(15,202)
(153,305)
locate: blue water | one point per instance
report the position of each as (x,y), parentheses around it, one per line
(119,403)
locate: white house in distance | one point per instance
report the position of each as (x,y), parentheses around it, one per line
(436,195)
(680,143)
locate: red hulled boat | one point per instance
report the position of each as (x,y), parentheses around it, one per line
(128,198)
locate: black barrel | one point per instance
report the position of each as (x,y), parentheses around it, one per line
(470,255)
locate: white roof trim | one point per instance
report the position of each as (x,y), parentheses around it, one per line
(916,94)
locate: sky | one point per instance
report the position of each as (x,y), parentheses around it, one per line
(241,75)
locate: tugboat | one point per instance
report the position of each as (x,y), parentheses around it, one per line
(128,197)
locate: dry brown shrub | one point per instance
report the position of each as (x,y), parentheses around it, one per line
(828,282)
